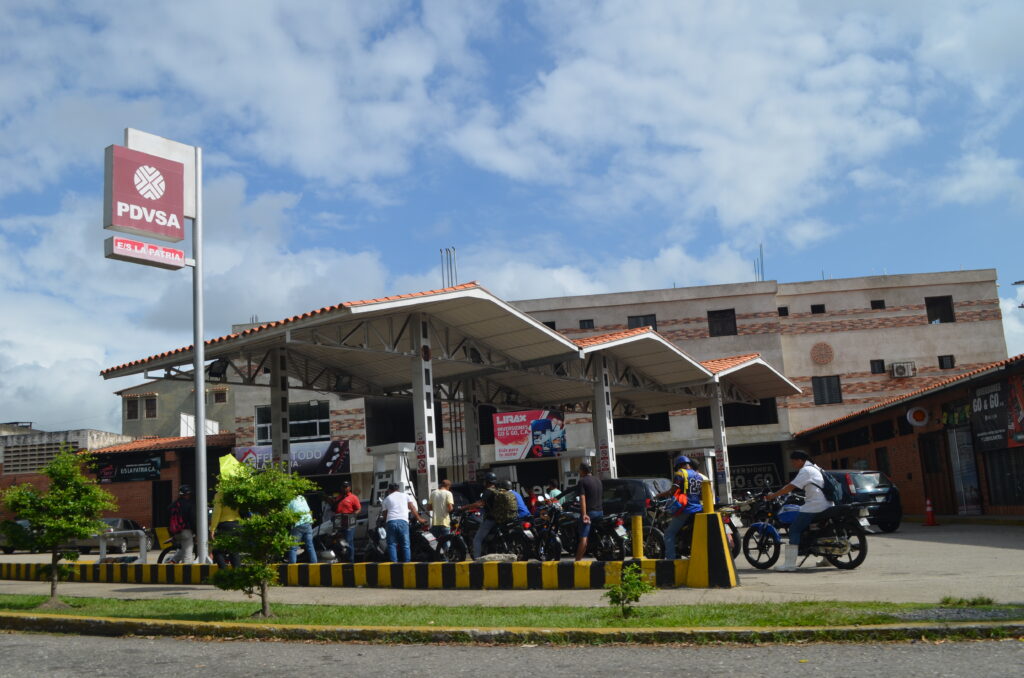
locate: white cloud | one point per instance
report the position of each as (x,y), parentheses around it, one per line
(981,176)
(808,232)
(1013,322)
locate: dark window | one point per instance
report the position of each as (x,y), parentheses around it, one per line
(131,408)
(903,426)
(783,311)
(150,408)
(220,396)
(740,414)
(940,310)
(550,323)
(854,438)
(827,390)
(587,324)
(484,413)
(307,421)
(947,362)
(882,430)
(878,304)
(830,444)
(1004,469)
(877,367)
(654,423)
(817,308)
(722,323)
(642,321)
(882,460)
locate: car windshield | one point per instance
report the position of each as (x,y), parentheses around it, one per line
(872,480)
(110,521)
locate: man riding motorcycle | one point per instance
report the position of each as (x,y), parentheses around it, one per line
(810,480)
(686,484)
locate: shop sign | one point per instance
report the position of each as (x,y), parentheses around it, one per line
(143,194)
(138,252)
(988,418)
(528,434)
(129,470)
(1015,411)
(752,476)
(325,457)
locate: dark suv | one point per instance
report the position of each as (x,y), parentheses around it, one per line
(875,489)
(623,495)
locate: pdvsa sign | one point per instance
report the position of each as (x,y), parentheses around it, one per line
(126,249)
(144,194)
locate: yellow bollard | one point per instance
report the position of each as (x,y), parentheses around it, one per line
(638,536)
(710,563)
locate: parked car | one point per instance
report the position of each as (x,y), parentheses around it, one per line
(622,495)
(875,489)
(6,544)
(115,544)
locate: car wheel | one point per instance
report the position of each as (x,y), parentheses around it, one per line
(8,550)
(84,550)
(889,526)
(121,546)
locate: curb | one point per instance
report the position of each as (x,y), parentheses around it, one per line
(110,626)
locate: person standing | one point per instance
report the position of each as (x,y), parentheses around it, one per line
(183,525)
(522,510)
(552,489)
(810,480)
(223,522)
(302,530)
(442,502)
(347,509)
(487,522)
(591,506)
(686,485)
(397,506)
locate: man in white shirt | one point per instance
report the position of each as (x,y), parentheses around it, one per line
(810,480)
(397,506)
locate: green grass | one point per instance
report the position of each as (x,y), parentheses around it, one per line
(827,613)
(977,601)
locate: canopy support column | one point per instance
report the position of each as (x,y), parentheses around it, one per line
(471,429)
(426,418)
(723,483)
(604,433)
(279,407)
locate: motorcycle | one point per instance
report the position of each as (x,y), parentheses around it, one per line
(838,534)
(609,538)
(548,545)
(654,535)
(515,537)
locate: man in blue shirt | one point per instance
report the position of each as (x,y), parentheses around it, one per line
(686,483)
(524,510)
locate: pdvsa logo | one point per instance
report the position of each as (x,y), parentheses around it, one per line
(149,182)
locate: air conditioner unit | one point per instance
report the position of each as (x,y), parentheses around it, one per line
(904,369)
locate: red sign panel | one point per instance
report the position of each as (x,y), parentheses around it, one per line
(125,249)
(144,194)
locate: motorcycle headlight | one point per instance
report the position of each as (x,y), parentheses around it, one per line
(863,513)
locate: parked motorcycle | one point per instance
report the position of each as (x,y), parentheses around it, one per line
(609,538)
(515,537)
(838,534)
(654,535)
(548,545)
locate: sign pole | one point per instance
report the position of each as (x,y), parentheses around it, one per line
(199,354)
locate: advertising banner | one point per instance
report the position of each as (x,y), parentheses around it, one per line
(143,194)
(528,434)
(988,418)
(1015,411)
(753,476)
(324,457)
(127,470)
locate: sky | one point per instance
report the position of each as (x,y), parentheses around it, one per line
(560,147)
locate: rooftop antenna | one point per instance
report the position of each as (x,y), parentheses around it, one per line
(449,268)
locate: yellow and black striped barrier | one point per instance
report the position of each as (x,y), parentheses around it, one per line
(464,575)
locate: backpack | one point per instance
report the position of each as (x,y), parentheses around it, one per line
(832,488)
(177,523)
(505,508)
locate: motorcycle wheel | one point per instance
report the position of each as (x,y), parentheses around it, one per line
(549,547)
(760,548)
(654,543)
(454,550)
(858,548)
(519,546)
(166,554)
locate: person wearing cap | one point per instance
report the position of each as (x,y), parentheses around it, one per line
(486,501)
(186,537)
(686,484)
(810,480)
(348,508)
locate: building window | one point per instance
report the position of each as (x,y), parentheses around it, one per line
(634,321)
(587,324)
(306,422)
(550,323)
(783,311)
(220,396)
(655,422)
(722,323)
(882,460)
(878,304)
(817,308)
(131,408)
(882,430)
(947,362)
(878,366)
(150,408)
(741,414)
(940,310)
(827,390)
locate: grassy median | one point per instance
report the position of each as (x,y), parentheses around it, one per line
(803,614)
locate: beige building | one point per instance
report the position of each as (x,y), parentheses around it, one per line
(846,343)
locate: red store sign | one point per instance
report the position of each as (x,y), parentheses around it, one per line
(126,249)
(144,194)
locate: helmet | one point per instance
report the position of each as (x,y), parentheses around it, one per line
(490,477)
(506,485)
(185,489)
(682,459)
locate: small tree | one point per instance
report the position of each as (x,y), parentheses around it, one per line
(625,594)
(68,509)
(264,535)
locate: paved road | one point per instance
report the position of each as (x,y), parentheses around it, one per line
(916,564)
(38,654)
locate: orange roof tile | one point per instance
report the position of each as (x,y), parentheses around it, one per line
(716,365)
(177,443)
(586,342)
(913,394)
(303,316)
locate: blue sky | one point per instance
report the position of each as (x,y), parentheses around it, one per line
(562,148)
